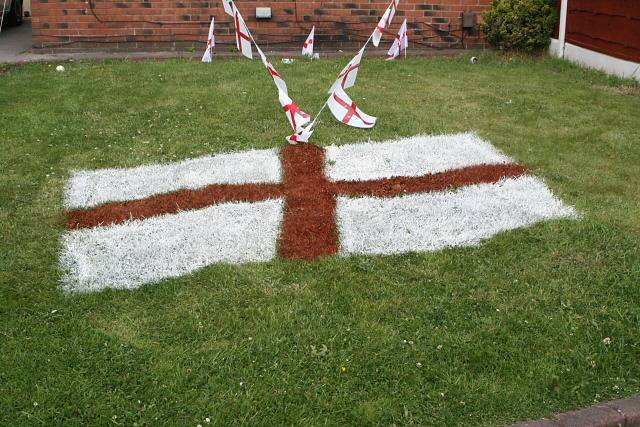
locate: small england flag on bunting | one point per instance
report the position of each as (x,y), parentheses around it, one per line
(277,78)
(346,111)
(347,76)
(243,36)
(384,22)
(307,47)
(296,116)
(211,42)
(228,7)
(302,136)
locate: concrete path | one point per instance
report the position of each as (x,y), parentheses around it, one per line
(15,47)
(14,41)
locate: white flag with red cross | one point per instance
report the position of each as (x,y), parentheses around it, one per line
(348,75)
(130,227)
(302,136)
(295,115)
(400,43)
(277,78)
(307,47)
(243,36)
(229,7)
(384,22)
(211,42)
(346,111)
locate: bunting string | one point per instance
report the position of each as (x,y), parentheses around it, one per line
(339,103)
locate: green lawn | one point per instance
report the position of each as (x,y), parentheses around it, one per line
(512,329)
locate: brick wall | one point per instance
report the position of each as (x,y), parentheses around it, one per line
(178,25)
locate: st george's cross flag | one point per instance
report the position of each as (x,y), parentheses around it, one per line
(229,7)
(307,47)
(297,118)
(302,136)
(347,77)
(135,226)
(295,115)
(277,78)
(243,36)
(346,111)
(211,42)
(384,22)
(400,43)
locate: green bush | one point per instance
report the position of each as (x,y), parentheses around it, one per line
(524,25)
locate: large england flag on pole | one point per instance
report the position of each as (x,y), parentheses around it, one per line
(137,226)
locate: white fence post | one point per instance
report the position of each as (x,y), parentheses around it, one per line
(563,27)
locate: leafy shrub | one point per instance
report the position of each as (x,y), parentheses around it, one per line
(524,25)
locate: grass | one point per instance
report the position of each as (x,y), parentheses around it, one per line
(510,330)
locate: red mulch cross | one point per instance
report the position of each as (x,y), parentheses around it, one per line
(351,110)
(309,227)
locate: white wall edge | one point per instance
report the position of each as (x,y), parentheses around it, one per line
(601,61)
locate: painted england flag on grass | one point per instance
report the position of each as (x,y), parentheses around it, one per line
(131,227)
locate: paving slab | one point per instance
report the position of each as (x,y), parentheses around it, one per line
(14,42)
(616,413)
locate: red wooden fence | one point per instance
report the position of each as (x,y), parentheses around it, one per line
(607,26)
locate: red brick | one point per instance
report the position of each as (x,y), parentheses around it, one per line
(135,23)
